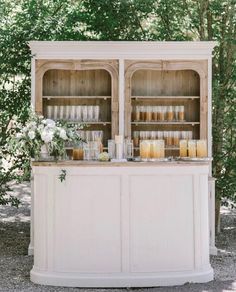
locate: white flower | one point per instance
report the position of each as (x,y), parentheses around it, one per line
(47,136)
(62,134)
(31,135)
(50,123)
(32,125)
(19,135)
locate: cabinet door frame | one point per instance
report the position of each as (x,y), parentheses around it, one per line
(199,66)
(111,66)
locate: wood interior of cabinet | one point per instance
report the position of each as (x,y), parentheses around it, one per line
(77,83)
(171,83)
(157,83)
(80,82)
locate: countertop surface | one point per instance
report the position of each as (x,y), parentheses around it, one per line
(80,163)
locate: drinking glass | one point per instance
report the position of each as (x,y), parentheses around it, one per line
(201,148)
(142,113)
(176,110)
(190,135)
(88,135)
(145,150)
(67,112)
(162,113)
(73,112)
(90,113)
(78,113)
(148,114)
(153,135)
(111,149)
(49,112)
(181,113)
(142,135)
(84,113)
(136,138)
(160,135)
(96,113)
(129,149)
(176,136)
(55,112)
(137,113)
(154,113)
(170,113)
(192,149)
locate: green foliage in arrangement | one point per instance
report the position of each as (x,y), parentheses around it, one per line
(163,20)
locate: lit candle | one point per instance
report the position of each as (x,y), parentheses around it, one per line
(145,149)
(192,151)
(201,148)
(183,148)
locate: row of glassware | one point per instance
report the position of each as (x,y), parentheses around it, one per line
(158,113)
(171,138)
(91,150)
(80,113)
(155,149)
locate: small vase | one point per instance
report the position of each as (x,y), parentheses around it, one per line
(44,153)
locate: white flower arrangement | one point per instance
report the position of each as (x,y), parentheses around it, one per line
(39,133)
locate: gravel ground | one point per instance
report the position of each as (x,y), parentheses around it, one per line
(15,264)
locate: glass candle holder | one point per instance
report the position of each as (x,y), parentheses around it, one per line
(78,152)
(183,147)
(192,149)
(160,148)
(145,150)
(201,148)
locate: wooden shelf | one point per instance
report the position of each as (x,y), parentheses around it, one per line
(77,97)
(166,148)
(165,123)
(164,97)
(91,123)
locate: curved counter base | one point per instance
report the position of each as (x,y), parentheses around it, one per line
(121,225)
(105,281)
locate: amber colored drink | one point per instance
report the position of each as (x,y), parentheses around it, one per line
(161,116)
(170,116)
(145,149)
(148,117)
(201,148)
(192,150)
(183,144)
(180,116)
(78,154)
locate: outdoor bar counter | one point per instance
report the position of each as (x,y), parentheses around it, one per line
(131,224)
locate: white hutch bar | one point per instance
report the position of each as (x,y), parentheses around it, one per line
(131,224)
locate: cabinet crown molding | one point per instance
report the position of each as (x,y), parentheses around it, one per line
(122,49)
